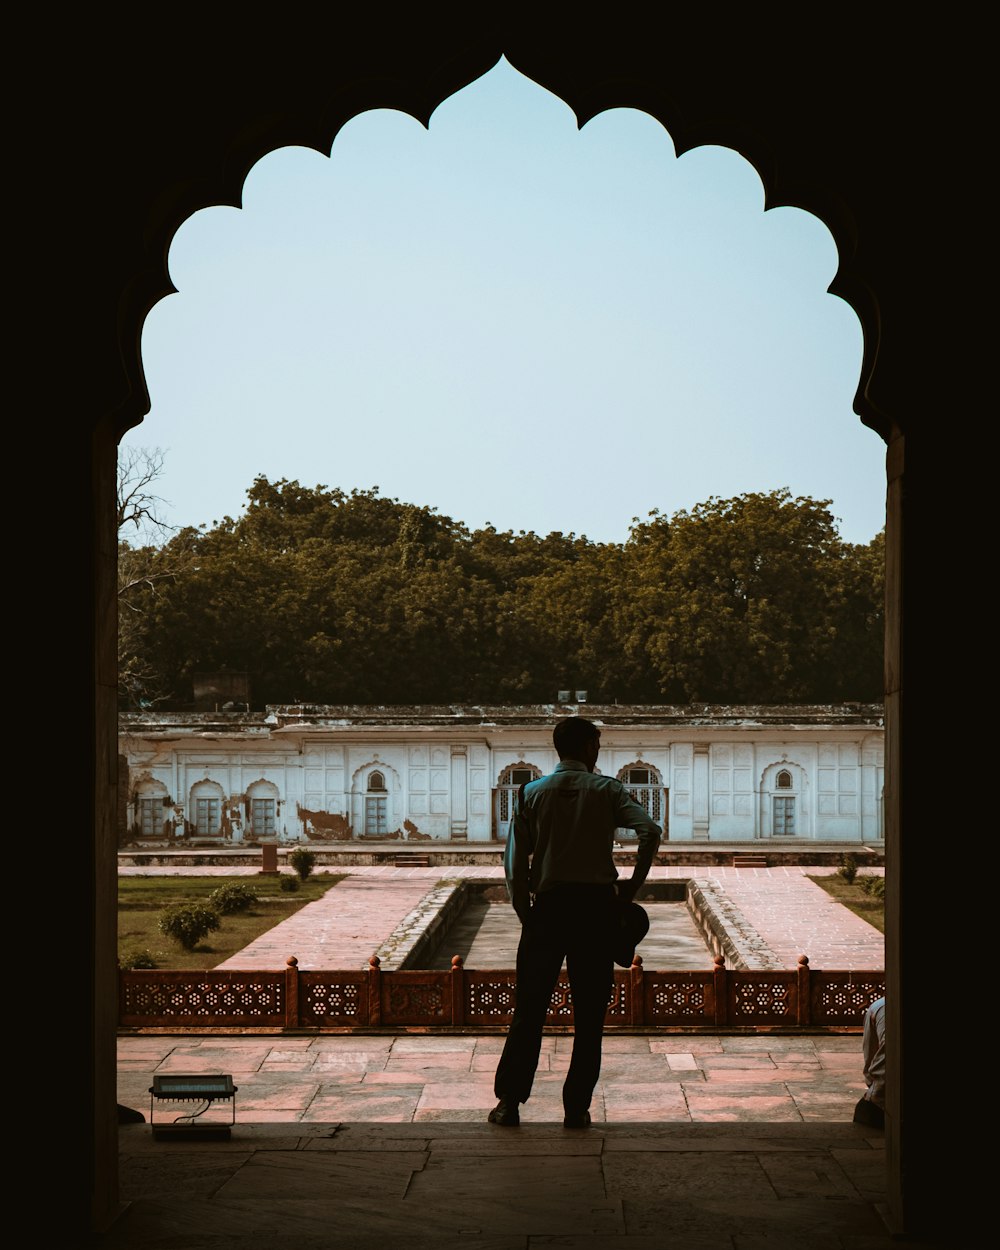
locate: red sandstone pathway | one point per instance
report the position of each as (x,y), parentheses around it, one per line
(797,917)
(340,930)
(792,914)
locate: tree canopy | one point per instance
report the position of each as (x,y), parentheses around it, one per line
(325,596)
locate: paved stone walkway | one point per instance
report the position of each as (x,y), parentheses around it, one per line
(797,917)
(417,1077)
(344,928)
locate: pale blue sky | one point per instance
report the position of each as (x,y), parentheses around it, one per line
(512,320)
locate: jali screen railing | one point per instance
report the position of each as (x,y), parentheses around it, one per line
(293,998)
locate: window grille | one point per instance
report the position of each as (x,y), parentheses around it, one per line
(207,817)
(784,780)
(645,785)
(262,813)
(508,784)
(150,816)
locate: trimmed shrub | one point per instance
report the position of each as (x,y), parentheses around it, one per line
(188,925)
(302,861)
(232,897)
(848,868)
(289,884)
(875,886)
(128,960)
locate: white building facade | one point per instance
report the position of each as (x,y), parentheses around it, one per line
(301,774)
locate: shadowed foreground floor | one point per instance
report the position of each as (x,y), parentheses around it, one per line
(692,1186)
(699,1142)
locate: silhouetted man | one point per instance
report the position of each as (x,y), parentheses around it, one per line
(563,883)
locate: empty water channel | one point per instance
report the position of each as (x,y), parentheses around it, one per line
(690,922)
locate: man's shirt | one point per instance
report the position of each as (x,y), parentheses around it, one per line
(563,833)
(873,1050)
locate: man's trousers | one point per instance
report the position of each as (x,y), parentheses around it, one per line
(571,923)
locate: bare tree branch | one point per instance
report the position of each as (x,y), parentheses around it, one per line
(138,507)
(146,566)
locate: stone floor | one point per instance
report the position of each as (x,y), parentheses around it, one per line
(420,1078)
(628,1186)
(700,1140)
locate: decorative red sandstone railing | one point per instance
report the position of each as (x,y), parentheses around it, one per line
(462,998)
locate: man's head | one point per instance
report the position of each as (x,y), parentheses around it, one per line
(576,738)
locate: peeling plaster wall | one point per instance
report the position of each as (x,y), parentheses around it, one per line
(441,766)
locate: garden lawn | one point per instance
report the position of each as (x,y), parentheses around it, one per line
(141,901)
(855,897)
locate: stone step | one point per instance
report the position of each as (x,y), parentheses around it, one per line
(412,860)
(749,861)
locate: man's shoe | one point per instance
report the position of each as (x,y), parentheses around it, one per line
(869,1114)
(505,1114)
(576,1119)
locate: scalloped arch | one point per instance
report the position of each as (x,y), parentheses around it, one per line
(206,786)
(147,786)
(640,763)
(314,118)
(769,773)
(363,771)
(503,777)
(262,786)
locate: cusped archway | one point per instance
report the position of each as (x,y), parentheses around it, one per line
(838,154)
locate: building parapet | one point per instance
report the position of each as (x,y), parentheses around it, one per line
(277,717)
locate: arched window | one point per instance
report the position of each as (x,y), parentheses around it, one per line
(263,804)
(376,805)
(783,807)
(206,809)
(508,783)
(151,810)
(645,785)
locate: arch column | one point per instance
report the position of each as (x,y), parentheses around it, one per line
(459,825)
(701,798)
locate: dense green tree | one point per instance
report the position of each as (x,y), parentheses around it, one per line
(745,600)
(330,597)
(856,662)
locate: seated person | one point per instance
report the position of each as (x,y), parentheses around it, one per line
(870,1109)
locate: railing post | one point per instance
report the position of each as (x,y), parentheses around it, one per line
(721,987)
(636,991)
(803,1013)
(291,992)
(374,991)
(457,989)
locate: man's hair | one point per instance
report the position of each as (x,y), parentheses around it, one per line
(572,734)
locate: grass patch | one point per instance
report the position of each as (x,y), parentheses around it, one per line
(855,897)
(141,901)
